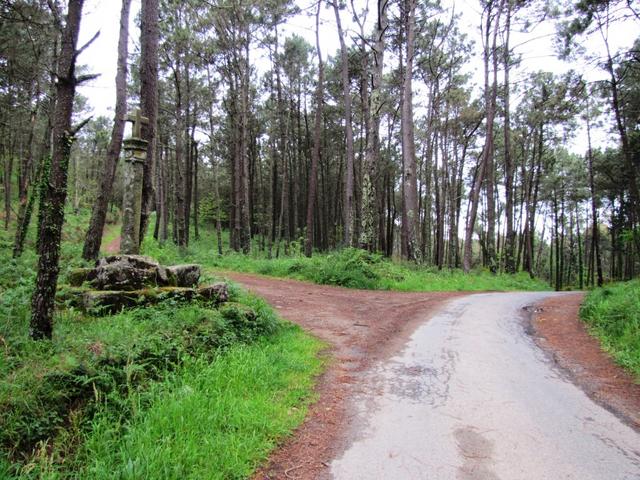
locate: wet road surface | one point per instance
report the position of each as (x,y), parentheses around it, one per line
(472,397)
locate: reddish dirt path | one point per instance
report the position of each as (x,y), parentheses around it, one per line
(360,327)
(113,247)
(561,333)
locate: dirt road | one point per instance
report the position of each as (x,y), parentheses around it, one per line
(426,386)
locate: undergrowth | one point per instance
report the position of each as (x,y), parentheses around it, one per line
(613,315)
(129,395)
(350,267)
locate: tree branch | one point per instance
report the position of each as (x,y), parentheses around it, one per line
(86,45)
(77,128)
(86,78)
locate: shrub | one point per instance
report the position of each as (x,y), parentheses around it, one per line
(613,314)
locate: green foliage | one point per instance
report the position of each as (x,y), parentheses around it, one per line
(350,267)
(613,314)
(73,406)
(214,420)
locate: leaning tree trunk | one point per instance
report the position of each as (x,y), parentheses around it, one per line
(315,154)
(99,214)
(55,192)
(23,182)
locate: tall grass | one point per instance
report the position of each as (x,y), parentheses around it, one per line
(214,420)
(613,315)
(172,391)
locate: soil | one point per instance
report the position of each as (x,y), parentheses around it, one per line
(561,333)
(360,327)
(113,247)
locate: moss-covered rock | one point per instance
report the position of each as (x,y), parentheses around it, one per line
(186,275)
(113,301)
(78,276)
(216,293)
(108,301)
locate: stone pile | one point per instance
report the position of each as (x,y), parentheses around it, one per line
(126,281)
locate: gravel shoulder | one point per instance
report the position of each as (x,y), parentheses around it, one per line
(559,331)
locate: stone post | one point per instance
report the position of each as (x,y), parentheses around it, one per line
(135,149)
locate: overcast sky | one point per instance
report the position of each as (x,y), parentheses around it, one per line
(535,47)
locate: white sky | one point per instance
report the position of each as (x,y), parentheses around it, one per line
(536,47)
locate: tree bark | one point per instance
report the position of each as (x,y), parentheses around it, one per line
(42,301)
(315,154)
(149,36)
(595,231)
(410,185)
(347,207)
(509,247)
(371,218)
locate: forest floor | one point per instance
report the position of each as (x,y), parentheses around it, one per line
(366,327)
(113,245)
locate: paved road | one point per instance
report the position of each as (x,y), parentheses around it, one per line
(472,397)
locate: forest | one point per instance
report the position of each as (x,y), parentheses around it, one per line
(386,144)
(374,144)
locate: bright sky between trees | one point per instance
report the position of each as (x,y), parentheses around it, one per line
(536,48)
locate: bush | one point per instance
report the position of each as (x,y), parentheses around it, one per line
(108,358)
(613,314)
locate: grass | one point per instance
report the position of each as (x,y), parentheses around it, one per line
(173,391)
(236,407)
(352,268)
(613,315)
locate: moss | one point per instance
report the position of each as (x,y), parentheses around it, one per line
(78,276)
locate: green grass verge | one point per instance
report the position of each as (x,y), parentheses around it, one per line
(613,315)
(173,391)
(214,420)
(352,268)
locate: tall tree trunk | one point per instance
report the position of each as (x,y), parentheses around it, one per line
(410,185)
(149,35)
(244,150)
(347,207)
(629,167)
(179,184)
(317,138)
(371,209)
(595,231)
(93,239)
(189,129)
(489,149)
(509,247)
(486,163)
(196,193)
(55,192)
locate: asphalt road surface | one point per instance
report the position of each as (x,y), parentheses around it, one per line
(472,397)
